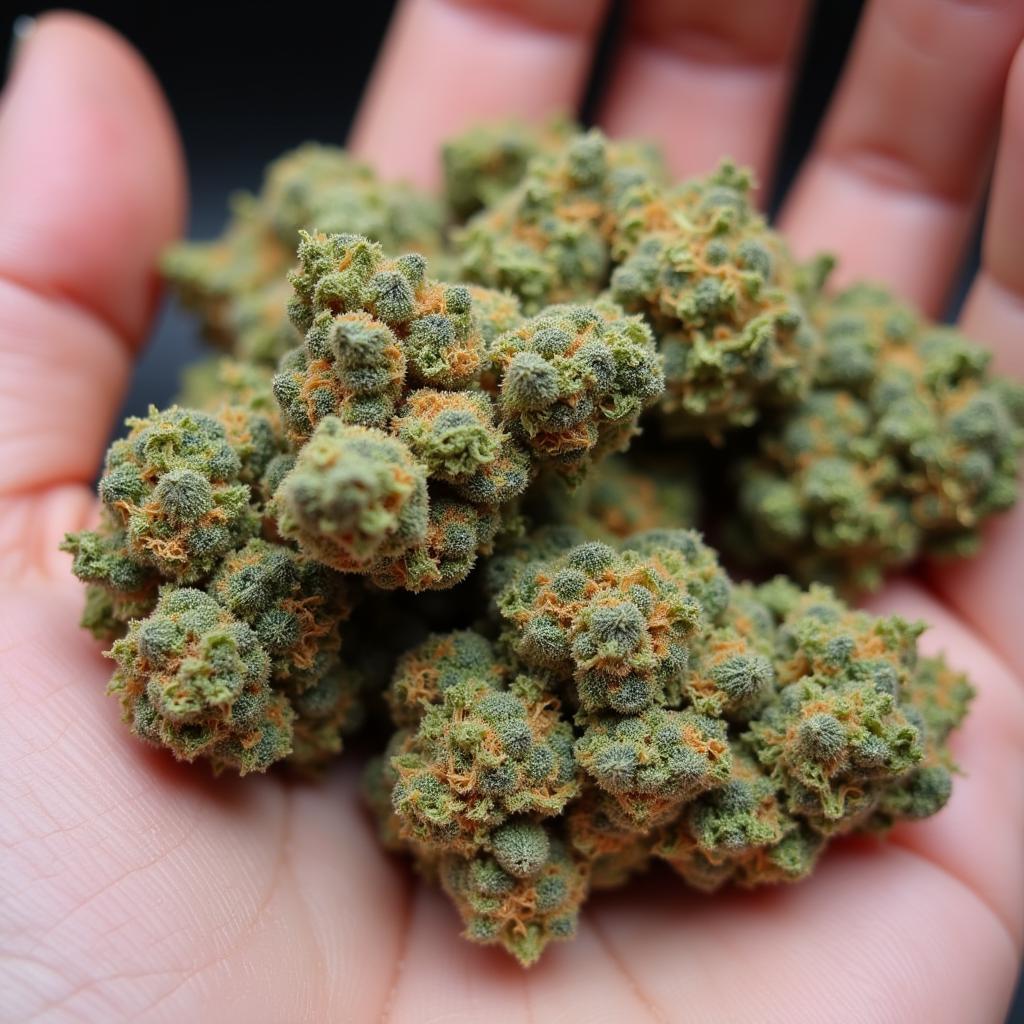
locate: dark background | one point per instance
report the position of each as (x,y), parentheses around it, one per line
(247,81)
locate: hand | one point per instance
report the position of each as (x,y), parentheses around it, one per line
(132,889)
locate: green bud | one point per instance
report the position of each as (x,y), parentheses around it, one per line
(522,914)
(653,763)
(424,674)
(236,283)
(723,295)
(521,848)
(573,382)
(487,161)
(547,239)
(194,679)
(906,445)
(617,625)
(175,485)
(468,767)
(354,497)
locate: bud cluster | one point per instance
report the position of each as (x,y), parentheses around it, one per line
(723,295)
(227,643)
(419,411)
(237,284)
(636,705)
(600,696)
(575,380)
(489,160)
(548,239)
(905,445)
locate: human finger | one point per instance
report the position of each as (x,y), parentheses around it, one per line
(986,589)
(994,311)
(705,79)
(894,178)
(449,63)
(91,188)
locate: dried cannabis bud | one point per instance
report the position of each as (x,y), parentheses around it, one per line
(479,759)
(729,730)
(723,295)
(237,283)
(617,700)
(354,496)
(426,672)
(484,163)
(521,902)
(653,763)
(194,679)
(549,239)
(246,673)
(370,324)
(905,446)
(293,604)
(402,463)
(614,624)
(463,415)
(119,585)
(459,440)
(482,759)
(178,485)
(574,381)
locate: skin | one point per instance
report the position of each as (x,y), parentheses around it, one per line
(133,889)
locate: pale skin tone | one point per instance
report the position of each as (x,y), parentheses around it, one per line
(133,889)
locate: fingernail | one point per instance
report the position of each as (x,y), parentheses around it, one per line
(23,27)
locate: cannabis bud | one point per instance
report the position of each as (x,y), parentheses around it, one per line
(724,296)
(638,706)
(484,163)
(193,678)
(237,284)
(477,760)
(176,485)
(120,586)
(574,381)
(615,624)
(906,444)
(354,496)
(549,238)
(612,360)
(523,903)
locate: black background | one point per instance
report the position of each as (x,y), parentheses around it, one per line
(249,80)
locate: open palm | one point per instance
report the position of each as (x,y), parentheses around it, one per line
(132,889)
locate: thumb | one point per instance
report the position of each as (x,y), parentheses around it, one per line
(91,188)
